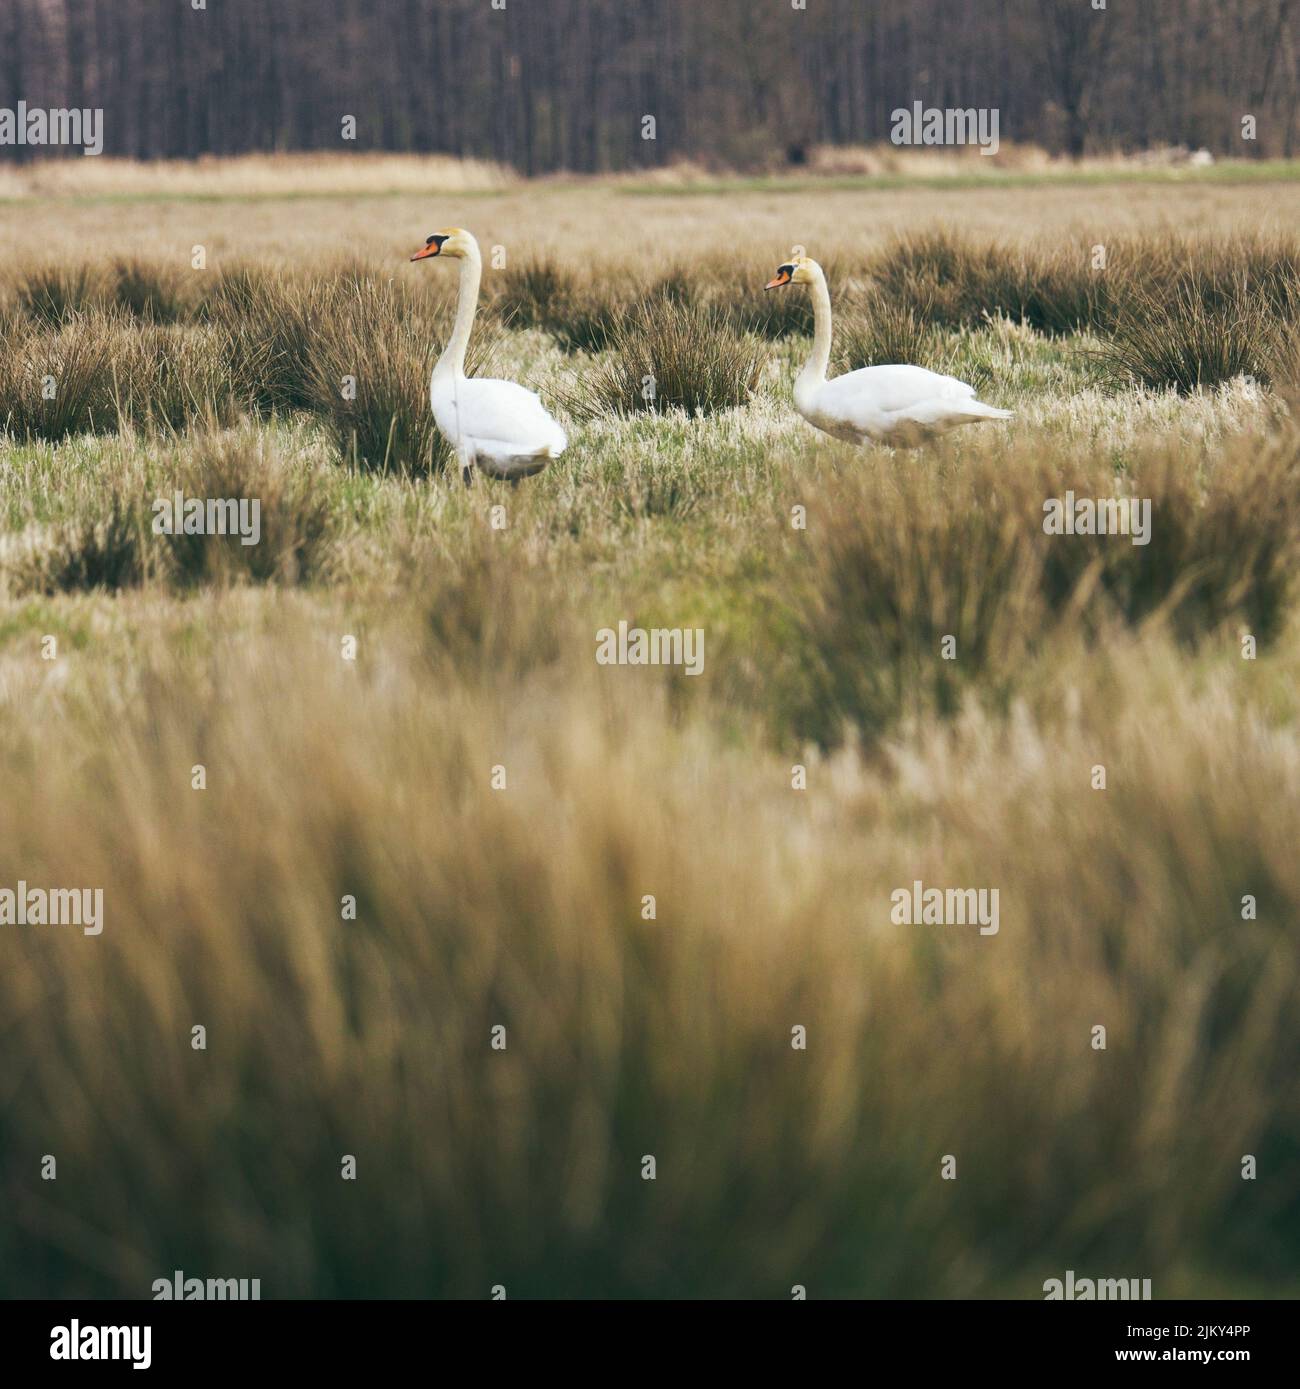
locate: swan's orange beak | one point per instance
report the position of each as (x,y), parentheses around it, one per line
(782,278)
(425,252)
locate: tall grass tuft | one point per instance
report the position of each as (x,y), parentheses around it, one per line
(270,319)
(298,531)
(170,375)
(878,331)
(58,380)
(51,293)
(579,313)
(104,553)
(121,545)
(952,280)
(906,558)
(1199,333)
(905,561)
(100,370)
(667,355)
(152,290)
(368,377)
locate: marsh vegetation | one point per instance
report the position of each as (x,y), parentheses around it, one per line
(826,580)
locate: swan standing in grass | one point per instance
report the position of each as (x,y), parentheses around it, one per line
(497,426)
(898,405)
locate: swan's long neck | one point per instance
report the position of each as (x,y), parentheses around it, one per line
(452,361)
(814,372)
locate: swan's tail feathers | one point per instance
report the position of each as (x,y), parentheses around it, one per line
(978,410)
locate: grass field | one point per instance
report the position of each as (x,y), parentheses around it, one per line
(395,701)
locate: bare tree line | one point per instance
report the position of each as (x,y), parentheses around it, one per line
(566,84)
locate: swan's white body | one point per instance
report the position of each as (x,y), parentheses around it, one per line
(902,406)
(497,426)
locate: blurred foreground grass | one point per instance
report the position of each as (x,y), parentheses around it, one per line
(521,906)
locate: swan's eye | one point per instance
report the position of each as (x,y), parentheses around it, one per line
(785,269)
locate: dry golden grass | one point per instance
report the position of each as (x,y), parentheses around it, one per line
(252,176)
(602,218)
(522,907)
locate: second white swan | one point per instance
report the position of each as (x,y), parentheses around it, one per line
(497,426)
(902,406)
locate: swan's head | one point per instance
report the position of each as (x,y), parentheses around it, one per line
(793,272)
(452,242)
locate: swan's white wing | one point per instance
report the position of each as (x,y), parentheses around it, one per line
(885,390)
(897,405)
(500,417)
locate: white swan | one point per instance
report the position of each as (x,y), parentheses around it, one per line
(497,426)
(898,405)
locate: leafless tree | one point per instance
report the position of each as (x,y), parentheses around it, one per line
(565,84)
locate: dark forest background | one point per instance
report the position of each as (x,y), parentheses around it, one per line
(563,84)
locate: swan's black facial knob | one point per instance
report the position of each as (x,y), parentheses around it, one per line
(431,247)
(784,274)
